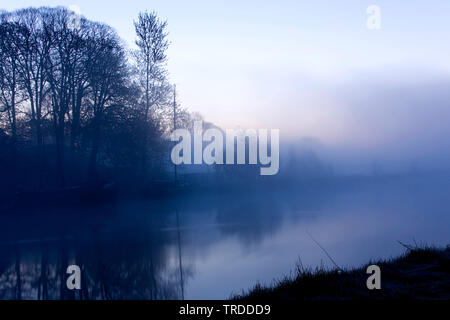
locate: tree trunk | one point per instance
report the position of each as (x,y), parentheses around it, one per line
(93,174)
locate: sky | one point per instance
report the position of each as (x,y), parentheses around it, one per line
(308,68)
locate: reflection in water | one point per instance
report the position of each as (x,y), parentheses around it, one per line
(119,260)
(208,246)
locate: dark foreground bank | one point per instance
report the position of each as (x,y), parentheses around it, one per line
(420,273)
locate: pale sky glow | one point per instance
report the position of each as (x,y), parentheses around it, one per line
(285,64)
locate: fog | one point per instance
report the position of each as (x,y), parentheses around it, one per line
(396,119)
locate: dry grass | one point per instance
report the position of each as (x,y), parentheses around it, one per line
(420,273)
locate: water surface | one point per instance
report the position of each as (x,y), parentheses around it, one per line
(209,246)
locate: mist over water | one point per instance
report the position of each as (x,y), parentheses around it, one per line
(227,242)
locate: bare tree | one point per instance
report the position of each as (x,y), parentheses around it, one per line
(107,75)
(150,62)
(9,77)
(33,49)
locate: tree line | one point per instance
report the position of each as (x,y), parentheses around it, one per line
(76,106)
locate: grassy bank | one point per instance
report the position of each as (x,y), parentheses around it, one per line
(420,273)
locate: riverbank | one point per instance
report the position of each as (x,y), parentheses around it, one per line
(420,273)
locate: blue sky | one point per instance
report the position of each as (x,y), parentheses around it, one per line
(302,66)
